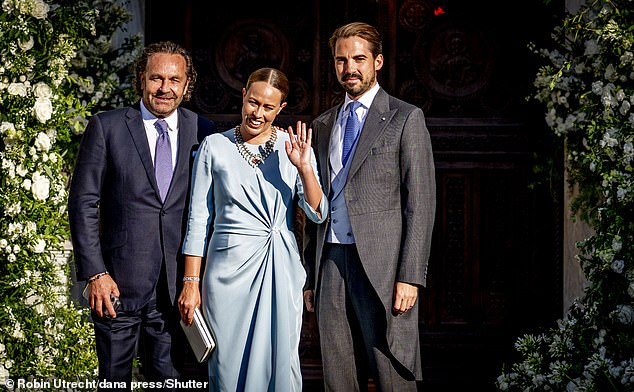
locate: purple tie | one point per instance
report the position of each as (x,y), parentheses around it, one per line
(353,126)
(163,158)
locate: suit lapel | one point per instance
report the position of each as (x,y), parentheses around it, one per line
(186,123)
(378,117)
(323,147)
(136,128)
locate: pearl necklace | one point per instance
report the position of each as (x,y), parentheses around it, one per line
(257,158)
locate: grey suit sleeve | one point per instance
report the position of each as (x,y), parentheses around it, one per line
(418,192)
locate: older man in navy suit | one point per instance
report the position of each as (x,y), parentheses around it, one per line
(127,206)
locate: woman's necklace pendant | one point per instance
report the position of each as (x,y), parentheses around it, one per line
(254,159)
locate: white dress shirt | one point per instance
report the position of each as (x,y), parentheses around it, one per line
(152,134)
(340,229)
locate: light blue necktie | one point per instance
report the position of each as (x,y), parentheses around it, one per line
(163,158)
(353,126)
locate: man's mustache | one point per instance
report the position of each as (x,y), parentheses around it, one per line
(352,75)
(159,94)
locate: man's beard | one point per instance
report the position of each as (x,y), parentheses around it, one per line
(357,89)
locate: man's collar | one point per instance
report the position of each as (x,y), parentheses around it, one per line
(172,119)
(366,99)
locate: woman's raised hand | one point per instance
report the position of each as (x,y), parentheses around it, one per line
(299,147)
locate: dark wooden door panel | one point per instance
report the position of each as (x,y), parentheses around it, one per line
(495,267)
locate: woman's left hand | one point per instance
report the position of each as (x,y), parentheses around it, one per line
(298,149)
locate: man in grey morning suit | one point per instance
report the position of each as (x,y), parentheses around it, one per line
(371,258)
(127,220)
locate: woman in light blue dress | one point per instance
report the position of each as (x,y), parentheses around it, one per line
(244,182)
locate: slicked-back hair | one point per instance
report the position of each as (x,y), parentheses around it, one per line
(272,76)
(361,30)
(166,47)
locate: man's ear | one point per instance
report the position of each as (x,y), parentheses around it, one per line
(186,86)
(142,79)
(378,62)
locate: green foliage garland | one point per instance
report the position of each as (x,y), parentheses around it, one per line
(588,90)
(56,69)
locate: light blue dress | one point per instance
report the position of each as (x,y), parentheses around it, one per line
(253,281)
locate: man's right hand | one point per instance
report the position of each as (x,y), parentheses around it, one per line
(99,291)
(309,300)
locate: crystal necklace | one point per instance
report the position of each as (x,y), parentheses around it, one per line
(255,159)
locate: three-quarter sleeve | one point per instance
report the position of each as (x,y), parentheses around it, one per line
(201,205)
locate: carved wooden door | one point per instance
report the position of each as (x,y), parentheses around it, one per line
(495,268)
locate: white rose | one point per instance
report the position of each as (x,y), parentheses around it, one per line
(43,142)
(26,184)
(17,89)
(26,45)
(617,266)
(6,126)
(39,246)
(3,244)
(624,314)
(39,9)
(21,170)
(42,90)
(40,186)
(43,109)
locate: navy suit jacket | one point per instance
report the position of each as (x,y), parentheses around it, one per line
(117,219)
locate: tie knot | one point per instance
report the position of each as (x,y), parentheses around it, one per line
(161,126)
(353,106)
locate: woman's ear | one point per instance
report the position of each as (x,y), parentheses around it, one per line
(281,107)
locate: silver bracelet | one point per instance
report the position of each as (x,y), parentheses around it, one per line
(97,276)
(191,279)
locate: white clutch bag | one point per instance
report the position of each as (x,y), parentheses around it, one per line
(200,336)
